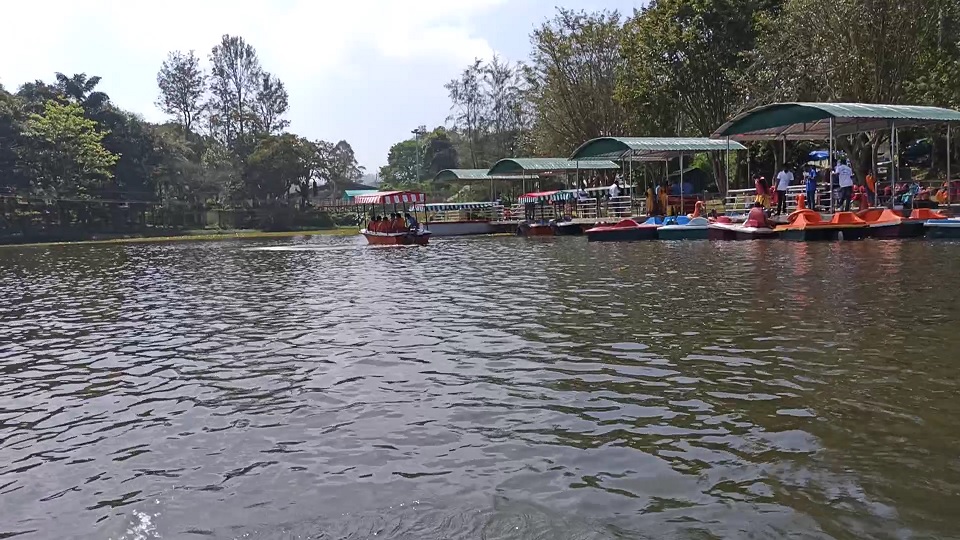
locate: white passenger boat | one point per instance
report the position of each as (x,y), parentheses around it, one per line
(461,219)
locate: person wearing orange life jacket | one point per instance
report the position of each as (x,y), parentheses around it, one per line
(399,225)
(871,183)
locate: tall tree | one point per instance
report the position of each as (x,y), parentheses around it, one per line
(469,104)
(343,163)
(270,104)
(182,87)
(573,71)
(504,85)
(401,168)
(11,140)
(875,62)
(685,62)
(439,153)
(235,79)
(81,90)
(278,164)
(66,150)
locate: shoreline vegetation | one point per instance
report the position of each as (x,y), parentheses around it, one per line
(73,164)
(188,236)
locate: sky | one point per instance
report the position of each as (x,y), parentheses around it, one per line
(367,71)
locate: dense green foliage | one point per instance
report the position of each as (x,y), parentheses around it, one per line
(225,145)
(683,67)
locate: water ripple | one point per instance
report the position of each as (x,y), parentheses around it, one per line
(479,388)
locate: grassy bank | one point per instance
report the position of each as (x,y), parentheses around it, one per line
(193,236)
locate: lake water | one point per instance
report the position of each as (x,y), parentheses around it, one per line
(498,388)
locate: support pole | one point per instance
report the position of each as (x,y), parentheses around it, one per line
(873,171)
(830,162)
(893,159)
(726,168)
(749,176)
(949,185)
(681,184)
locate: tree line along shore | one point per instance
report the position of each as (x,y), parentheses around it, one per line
(72,164)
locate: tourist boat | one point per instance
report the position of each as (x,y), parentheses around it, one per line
(726,229)
(943,228)
(625,231)
(459,219)
(535,228)
(567,228)
(392,202)
(684,228)
(807,225)
(887,223)
(533,225)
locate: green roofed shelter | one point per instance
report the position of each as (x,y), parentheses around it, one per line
(470,175)
(649,148)
(538,166)
(349,194)
(811,121)
(826,121)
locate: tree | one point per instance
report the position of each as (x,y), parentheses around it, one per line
(439,153)
(685,62)
(343,164)
(278,164)
(401,168)
(271,103)
(235,79)
(66,150)
(893,46)
(182,87)
(573,71)
(11,140)
(505,89)
(35,95)
(469,106)
(79,89)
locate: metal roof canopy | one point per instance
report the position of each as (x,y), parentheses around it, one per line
(811,121)
(649,148)
(450,175)
(515,166)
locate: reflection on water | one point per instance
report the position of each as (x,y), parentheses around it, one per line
(479,388)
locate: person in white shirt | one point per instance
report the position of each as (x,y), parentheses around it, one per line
(784,179)
(614,193)
(845,178)
(615,189)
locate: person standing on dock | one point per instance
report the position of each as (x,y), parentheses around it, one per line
(845,179)
(811,187)
(760,185)
(784,179)
(871,182)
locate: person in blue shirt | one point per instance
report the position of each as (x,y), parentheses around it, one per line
(811,187)
(411,222)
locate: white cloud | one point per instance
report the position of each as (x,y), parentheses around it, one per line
(311,45)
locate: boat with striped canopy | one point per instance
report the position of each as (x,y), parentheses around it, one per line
(388,233)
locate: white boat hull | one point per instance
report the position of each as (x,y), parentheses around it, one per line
(460,228)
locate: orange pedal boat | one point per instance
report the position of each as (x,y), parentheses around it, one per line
(807,225)
(887,223)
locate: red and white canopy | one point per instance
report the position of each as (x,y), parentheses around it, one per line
(390,197)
